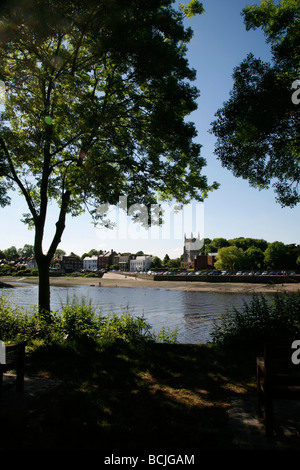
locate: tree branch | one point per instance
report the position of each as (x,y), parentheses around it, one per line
(17,180)
(65,145)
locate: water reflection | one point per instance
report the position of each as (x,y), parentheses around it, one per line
(193,313)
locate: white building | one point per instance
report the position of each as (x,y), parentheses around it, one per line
(141,263)
(31,263)
(90,263)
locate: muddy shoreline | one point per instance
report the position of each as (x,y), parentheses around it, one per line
(119,280)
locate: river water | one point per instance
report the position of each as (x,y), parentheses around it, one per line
(192,313)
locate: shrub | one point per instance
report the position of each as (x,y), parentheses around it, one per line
(5,270)
(23,271)
(166,336)
(15,325)
(78,321)
(79,326)
(124,329)
(259,321)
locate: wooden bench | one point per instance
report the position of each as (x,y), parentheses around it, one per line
(15,360)
(277,378)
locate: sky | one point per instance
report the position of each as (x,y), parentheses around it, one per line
(219,44)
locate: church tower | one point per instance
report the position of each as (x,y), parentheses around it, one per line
(192,247)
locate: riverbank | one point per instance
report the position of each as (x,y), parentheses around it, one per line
(121,280)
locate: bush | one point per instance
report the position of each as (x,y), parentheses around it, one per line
(77,326)
(124,329)
(15,325)
(78,321)
(23,271)
(259,321)
(6,270)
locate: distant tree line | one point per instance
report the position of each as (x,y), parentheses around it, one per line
(243,254)
(234,254)
(251,254)
(166,263)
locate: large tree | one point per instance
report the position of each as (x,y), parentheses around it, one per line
(97,99)
(276,255)
(258,128)
(229,257)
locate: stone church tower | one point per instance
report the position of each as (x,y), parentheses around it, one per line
(192,247)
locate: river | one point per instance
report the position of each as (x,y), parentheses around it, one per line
(192,313)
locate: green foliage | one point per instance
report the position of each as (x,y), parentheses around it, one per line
(276,255)
(194,7)
(77,322)
(229,257)
(260,320)
(253,253)
(98,99)
(96,108)
(27,250)
(213,245)
(15,325)
(166,336)
(8,270)
(87,274)
(124,329)
(257,129)
(79,326)
(253,258)
(156,262)
(10,253)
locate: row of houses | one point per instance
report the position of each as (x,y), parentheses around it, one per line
(192,259)
(69,264)
(24,261)
(127,262)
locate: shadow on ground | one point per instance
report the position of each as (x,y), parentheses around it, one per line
(166,397)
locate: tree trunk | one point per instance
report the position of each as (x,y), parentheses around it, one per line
(44,289)
(43,261)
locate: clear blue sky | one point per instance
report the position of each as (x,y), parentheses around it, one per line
(220,43)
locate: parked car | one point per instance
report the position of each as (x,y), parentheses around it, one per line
(239,273)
